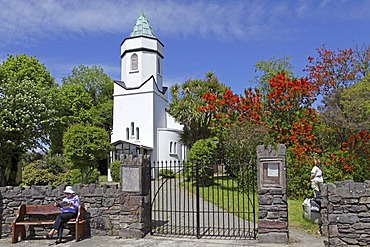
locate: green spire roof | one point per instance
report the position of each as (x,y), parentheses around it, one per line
(142,27)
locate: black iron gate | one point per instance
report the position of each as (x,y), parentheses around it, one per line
(203,201)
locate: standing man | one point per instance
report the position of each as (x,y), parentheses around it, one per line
(316,176)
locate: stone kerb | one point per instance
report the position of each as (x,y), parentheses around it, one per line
(345,213)
(272,195)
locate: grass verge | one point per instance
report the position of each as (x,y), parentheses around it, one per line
(297,220)
(224,193)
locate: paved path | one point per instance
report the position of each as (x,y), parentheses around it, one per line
(175,213)
(297,239)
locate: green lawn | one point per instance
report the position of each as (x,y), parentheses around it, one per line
(225,194)
(297,220)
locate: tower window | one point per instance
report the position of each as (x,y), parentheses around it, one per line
(134,62)
(127,133)
(159,66)
(132,129)
(137,133)
(170,147)
(174,148)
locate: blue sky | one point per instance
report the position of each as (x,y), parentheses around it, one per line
(226,37)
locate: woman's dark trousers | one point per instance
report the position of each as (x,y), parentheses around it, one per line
(60,220)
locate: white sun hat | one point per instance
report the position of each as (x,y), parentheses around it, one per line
(69,190)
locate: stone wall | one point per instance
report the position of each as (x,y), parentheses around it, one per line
(345,213)
(110,211)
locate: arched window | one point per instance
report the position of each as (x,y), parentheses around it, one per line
(134,62)
(170,147)
(174,148)
(132,129)
(127,133)
(137,133)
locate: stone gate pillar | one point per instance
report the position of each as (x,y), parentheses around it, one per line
(272,195)
(135,197)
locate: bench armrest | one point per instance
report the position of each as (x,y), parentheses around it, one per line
(21,213)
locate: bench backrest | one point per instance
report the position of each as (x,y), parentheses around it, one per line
(42,210)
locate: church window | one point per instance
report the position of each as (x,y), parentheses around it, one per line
(174,148)
(170,147)
(132,129)
(137,133)
(134,62)
(127,133)
(159,66)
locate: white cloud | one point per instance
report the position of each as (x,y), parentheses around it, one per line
(25,21)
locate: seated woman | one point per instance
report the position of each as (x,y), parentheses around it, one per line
(68,207)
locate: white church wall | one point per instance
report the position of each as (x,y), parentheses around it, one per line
(136,108)
(169,147)
(172,124)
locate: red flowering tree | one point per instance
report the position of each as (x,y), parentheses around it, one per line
(288,113)
(232,108)
(236,114)
(342,79)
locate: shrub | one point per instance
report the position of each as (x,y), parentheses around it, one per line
(115,168)
(89,177)
(51,170)
(201,155)
(34,174)
(166,173)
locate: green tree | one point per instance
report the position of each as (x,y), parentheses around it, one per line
(84,146)
(266,70)
(186,100)
(355,103)
(85,97)
(99,87)
(27,111)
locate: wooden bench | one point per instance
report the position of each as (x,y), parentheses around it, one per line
(27,213)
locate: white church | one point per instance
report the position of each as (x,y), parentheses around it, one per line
(141,123)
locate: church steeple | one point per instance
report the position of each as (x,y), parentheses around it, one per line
(142,27)
(141,56)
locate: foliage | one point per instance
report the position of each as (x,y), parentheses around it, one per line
(76,176)
(298,174)
(355,104)
(242,140)
(186,99)
(351,162)
(47,171)
(115,168)
(268,69)
(97,95)
(166,173)
(27,111)
(200,162)
(85,97)
(344,82)
(231,108)
(34,174)
(84,146)
(236,124)
(333,70)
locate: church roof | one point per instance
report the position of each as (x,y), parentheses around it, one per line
(142,27)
